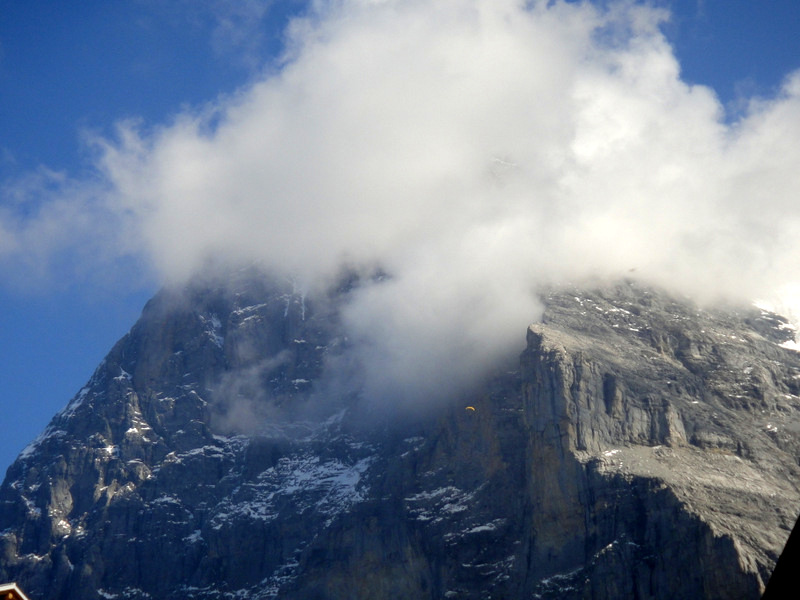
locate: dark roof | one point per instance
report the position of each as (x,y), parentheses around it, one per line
(784,580)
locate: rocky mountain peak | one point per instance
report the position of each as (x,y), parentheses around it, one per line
(642,447)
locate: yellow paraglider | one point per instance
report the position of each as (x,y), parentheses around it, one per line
(472,408)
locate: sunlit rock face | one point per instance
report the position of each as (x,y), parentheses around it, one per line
(641,447)
(666,439)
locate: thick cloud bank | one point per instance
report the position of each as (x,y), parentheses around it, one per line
(473,150)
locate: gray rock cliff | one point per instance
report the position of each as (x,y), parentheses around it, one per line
(641,447)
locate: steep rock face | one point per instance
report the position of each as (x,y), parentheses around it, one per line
(641,448)
(144,484)
(667,438)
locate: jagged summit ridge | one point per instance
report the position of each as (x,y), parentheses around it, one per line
(215,454)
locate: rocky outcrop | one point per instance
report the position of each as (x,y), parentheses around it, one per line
(666,435)
(641,448)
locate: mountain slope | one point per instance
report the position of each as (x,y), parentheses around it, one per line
(641,448)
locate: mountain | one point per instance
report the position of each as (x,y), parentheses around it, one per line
(640,447)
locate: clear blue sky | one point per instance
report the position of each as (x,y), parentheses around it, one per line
(69,67)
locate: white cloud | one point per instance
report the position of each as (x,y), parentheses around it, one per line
(474,149)
(54,228)
(241,27)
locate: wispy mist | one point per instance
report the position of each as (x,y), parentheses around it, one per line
(473,150)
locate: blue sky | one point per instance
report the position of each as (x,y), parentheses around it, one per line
(71,71)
